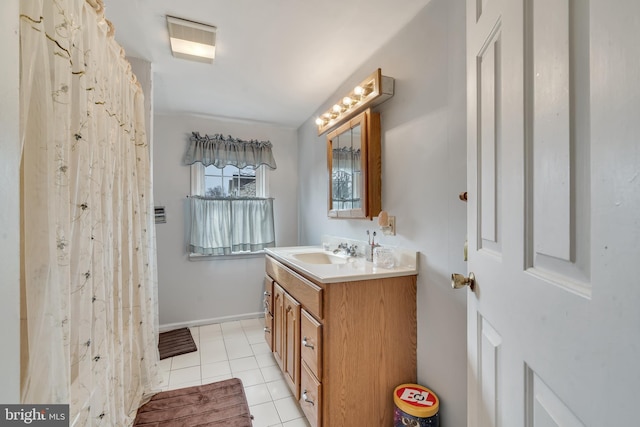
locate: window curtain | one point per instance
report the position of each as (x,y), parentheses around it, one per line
(220,152)
(224,226)
(89,258)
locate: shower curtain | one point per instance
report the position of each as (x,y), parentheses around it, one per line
(89,260)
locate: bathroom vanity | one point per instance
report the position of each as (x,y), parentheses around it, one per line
(342,331)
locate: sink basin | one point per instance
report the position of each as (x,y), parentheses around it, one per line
(319,258)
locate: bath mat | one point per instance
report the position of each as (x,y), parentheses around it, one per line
(173,343)
(219,404)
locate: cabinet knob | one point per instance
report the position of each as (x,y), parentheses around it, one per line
(306,343)
(267,293)
(306,398)
(267,330)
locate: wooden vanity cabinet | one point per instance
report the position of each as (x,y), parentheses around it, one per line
(345,346)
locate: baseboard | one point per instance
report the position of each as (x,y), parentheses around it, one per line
(201,322)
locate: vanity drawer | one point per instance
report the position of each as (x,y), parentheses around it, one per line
(311,349)
(304,291)
(310,396)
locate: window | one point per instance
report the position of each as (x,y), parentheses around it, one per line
(230,210)
(229,181)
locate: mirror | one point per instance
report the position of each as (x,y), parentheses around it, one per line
(346,170)
(353,157)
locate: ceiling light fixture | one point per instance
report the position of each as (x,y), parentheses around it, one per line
(372,91)
(192,40)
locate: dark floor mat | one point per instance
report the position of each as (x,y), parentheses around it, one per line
(219,404)
(173,343)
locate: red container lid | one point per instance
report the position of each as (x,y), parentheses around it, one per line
(416,400)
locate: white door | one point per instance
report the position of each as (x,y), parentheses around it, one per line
(554,212)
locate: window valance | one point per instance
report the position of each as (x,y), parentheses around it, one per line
(219,151)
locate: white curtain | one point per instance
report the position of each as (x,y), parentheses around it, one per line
(224,226)
(89,245)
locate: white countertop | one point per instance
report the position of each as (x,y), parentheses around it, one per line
(356,268)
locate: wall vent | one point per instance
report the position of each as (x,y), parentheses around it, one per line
(192,40)
(161,217)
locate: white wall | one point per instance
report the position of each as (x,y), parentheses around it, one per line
(10,154)
(194,292)
(423,171)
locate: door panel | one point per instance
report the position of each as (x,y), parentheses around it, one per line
(550,122)
(488,78)
(292,344)
(489,357)
(543,407)
(557,139)
(554,191)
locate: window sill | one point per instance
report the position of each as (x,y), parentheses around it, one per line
(199,257)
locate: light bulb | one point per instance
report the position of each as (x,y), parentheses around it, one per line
(358,90)
(319,121)
(337,108)
(347,101)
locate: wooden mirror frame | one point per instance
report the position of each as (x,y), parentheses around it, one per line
(371,167)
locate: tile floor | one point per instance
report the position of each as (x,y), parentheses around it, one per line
(237,349)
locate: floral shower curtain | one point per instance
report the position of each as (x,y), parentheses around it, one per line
(89,246)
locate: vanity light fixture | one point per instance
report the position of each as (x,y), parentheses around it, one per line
(372,91)
(192,40)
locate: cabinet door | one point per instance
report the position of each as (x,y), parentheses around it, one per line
(268,311)
(292,344)
(268,329)
(278,324)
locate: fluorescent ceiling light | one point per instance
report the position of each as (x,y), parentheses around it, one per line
(192,48)
(192,40)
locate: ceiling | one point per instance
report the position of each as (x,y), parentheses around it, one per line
(277,61)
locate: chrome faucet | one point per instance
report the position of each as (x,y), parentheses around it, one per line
(346,249)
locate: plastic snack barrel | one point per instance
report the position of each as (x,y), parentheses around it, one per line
(416,406)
